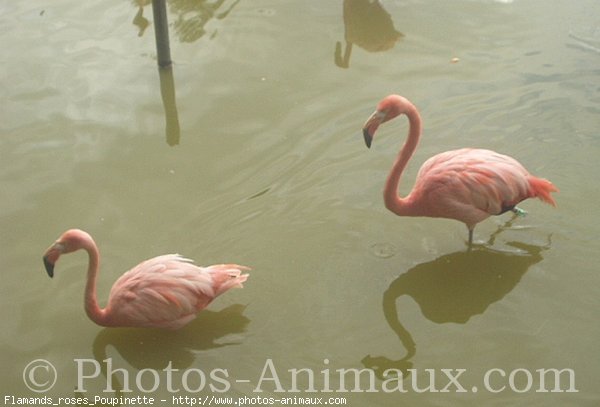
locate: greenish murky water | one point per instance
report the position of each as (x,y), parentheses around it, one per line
(251,152)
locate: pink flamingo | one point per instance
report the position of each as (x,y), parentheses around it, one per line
(468,184)
(163,292)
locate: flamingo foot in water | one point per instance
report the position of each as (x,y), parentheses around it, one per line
(519,212)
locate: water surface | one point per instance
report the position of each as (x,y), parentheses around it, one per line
(251,152)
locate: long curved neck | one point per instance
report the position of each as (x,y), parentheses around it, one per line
(395,203)
(92,308)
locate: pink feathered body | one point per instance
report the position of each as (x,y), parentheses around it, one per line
(168,291)
(470,185)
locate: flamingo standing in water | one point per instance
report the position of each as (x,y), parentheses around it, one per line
(468,184)
(163,292)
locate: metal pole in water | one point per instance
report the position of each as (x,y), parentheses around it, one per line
(161,30)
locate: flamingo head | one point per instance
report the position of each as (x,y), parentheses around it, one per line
(389,107)
(70,241)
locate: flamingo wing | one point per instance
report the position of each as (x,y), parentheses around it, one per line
(165,291)
(471,184)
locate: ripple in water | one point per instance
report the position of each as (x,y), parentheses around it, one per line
(383,250)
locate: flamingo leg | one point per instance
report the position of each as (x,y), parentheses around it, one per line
(470,237)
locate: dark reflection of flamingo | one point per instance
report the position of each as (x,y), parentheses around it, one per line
(453,288)
(155,348)
(191,16)
(139,20)
(368,25)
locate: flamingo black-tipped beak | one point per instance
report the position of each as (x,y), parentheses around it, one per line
(368,137)
(371,125)
(51,257)
(49,265)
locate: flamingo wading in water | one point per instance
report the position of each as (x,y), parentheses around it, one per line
(163,292)
(468,184)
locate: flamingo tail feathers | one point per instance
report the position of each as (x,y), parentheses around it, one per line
(541,188)
(226,276)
